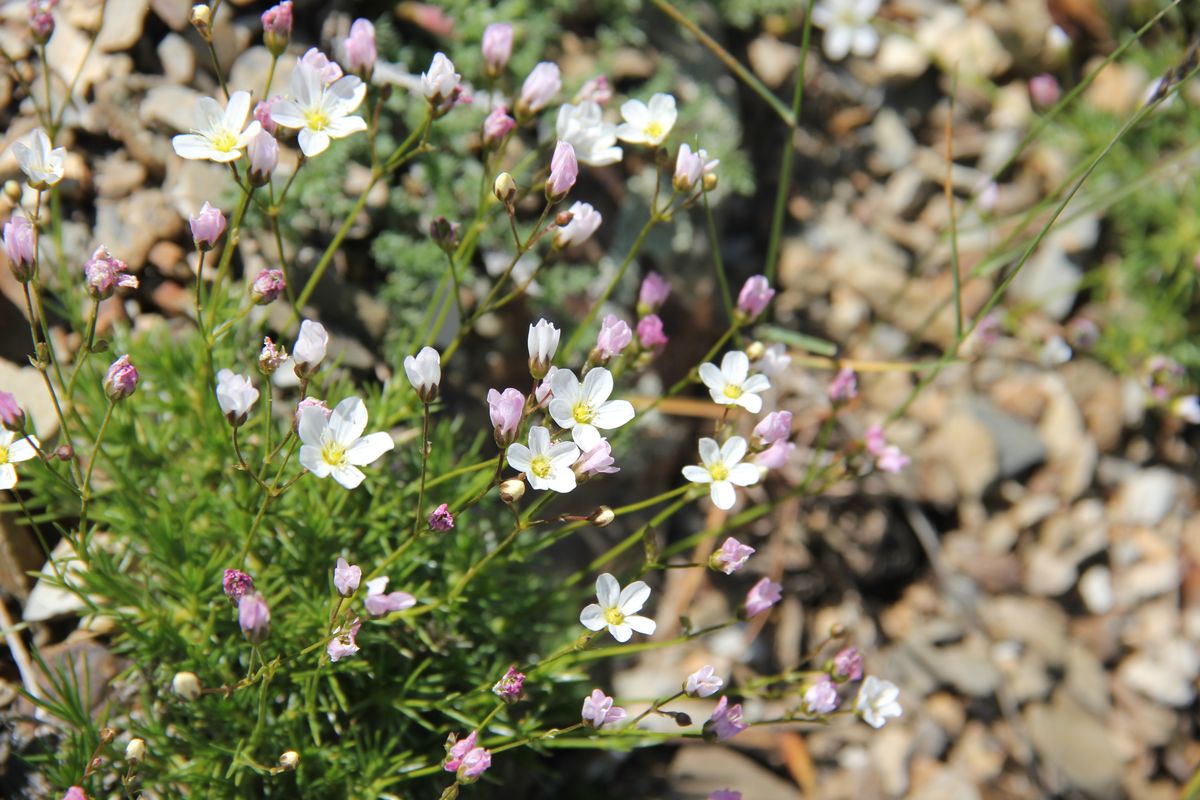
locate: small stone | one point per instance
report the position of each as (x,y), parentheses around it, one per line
(172,106)
(894,144)
(1076,744)
(1145,497)
(1166,673)
(178,58)
(123,21)
(117,175)
(130,226)
(901,57)
(772,60)
(1096,589)
(1049,280)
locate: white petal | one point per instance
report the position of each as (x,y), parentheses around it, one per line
(209,114)
(622,633)
(287,114)
(237,109)
(563,454)
(756,383)
(723,495)
(736,366)
(733,451)
(719,397)
(561,481)
(696,474)
(710,451)
(565,386)
(592,617)
(586,436)
(310,459)
(8,476)
(22,450)
(713,378)
(866,40)
(369,448)
(312,426)
(340,128)
(633,597)
(750,402)
(635,113)
(608,591)
(348,476)
(519,457)
(191,146)
(837,43)
(561,412)
(313,143)
(348,421)
(597,386)
(744,475)
(539,440)
(613,414)
(643,625)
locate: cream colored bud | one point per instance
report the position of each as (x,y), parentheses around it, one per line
(512,490)
(186,685)
(602,517)
(756,350)
(710,181)
(505,188)
(12,190)
(289,759)
(201,19)
(135,751)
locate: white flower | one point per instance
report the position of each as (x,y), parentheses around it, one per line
(704,682)
(877,700)
(236,395)
(723,470)
(543,343)
(774,360)
(309,350)
(583,126)
(732,384)
(584,221)
(618,608)
(336,446)
(41,165)
(582,408)
(546,466)
(847,26)
(440,81)
(14,452)
(322,113)
(424,372)
(647,124)
(221,133)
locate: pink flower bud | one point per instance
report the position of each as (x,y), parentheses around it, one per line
(12,416)
(41,20)
(20,245)
(774,426)
(848,664)
(654,292)
(509,687)
(104,272)
(441,519)
(262,113)
(236,584)
(762,596)
(263,152)
(346,577)
(597,90)
(360,47)
(254,617)
(597,461)
(497,47)
(874,440)
(564,169)
(690,168)
(1044,90)
(539,88)
(506,410)
(497,125)
(455,750)
(121,379)
(731,557)
(756,293)
(207,226)
(614,337)
(775,456)
(821,697)
(844,386)
(650,332)
(277,27)
(267,287)
(319,62)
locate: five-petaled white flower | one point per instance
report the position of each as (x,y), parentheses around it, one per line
(236,395)
(582,408)
(647,124)
(42,165)
(617,609)
(877,700)
(221,133)
(723,470)
(336,446)
(322,113)
(546,466)
(732,384)
(583,126)
(847,26)
(14,452)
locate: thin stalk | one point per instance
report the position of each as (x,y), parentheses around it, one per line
(949,189)
(231,243)
(718,262)
(628,542)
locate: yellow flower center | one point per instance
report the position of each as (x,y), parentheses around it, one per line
(333,453)
(3,454)
(733,392)
(582,413)
(719,472)
(316,119)
(654,131)
(225,141)
(540,466)
(613,616)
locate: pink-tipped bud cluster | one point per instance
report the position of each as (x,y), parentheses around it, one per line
(41,19)
(597,90)
(267,286)
(104,272)
(467,760)
(262,113)
(440,519)
(236,584)
(20,245)
(847,665)
(277,27)
(614,337)
(121,380)
(888,457)
(509,687)
(762,596)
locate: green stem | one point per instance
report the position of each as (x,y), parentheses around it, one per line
(231,243)
(628,542)
(789,151)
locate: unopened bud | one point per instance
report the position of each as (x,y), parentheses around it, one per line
(505,188)
(107,735)
(710,181)
(756,350)
(186,685)
(512,490)
(201,19)
(563,218)
(602,517)
(65,452)
(135,751)
(681,719)
(12,190)
(289,759)
(444,234)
